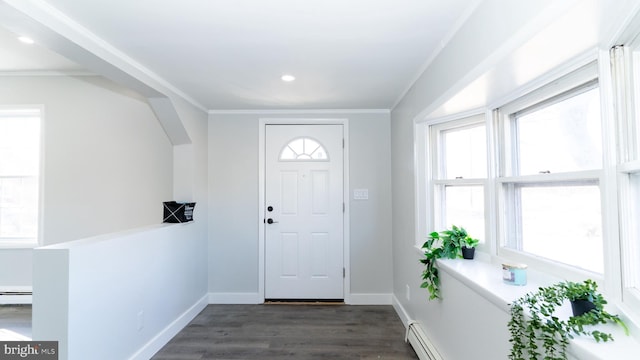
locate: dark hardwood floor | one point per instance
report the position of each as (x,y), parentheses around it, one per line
(282,331)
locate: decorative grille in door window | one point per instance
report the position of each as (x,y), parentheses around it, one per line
(304,149)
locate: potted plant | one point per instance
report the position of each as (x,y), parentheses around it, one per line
(583,296)
(452,241)
(542,334)
(446,244)
(469,247)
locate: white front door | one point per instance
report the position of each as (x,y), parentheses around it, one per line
(304,212)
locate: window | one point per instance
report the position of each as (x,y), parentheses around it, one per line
(19,176)
(305,149)
(630,205)
(559,185)
(626,61)
(561,136)
(550,173)
(459,172)
(554,220)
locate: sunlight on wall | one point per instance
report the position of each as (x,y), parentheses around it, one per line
(572,34)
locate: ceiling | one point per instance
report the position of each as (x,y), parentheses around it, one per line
(20,58)
(230,55)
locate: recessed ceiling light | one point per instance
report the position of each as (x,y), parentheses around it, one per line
(288,78)
(26,40)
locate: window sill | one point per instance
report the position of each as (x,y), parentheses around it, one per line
(485,278)
(18,245)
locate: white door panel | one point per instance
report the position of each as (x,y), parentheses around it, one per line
(304,242)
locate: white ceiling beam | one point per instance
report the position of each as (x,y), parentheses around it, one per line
(54,30)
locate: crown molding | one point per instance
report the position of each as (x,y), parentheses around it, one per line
(298,111)
(48,73)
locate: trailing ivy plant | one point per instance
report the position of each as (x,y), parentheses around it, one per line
(540,334)
(588,290)
(446,244)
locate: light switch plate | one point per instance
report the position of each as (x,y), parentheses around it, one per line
(361,194)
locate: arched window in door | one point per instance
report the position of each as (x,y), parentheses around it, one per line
(304,149)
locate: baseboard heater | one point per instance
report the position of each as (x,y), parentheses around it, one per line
(19,295)
(421,344)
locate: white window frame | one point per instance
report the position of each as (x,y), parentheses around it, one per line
(626,84)
(555,91)
(426,134)
(29,110)
(630,261)
(438,183)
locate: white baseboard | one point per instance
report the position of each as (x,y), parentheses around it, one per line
(402,313)
(162,338)
(235,298)
(370,299)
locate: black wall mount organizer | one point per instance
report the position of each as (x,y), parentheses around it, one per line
(175,212)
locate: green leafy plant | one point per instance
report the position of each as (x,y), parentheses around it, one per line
(470,242)
(541,334)
(588,290)
(445,244)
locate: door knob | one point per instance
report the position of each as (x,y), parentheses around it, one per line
(270,221)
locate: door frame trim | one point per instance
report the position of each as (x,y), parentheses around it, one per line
(263,122)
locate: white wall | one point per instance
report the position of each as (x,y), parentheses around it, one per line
(233,204)
(125,294)
(496,34)
(118,296)
(233,196)
(15,267)
(108,162)
(193,184)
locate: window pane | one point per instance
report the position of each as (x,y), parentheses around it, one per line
(562,223)
(18,207)
(304,149)
(19,146)
(297,146)
(288,154)
(19,169)
(562,137)
(465,153)
(635,149)
(465,208)
(634,245)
